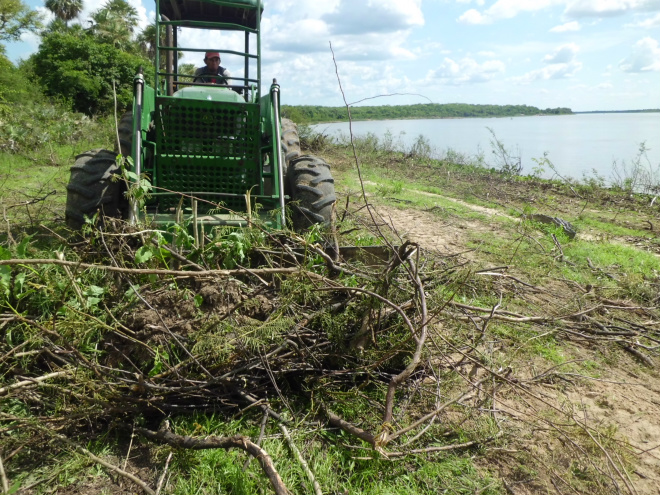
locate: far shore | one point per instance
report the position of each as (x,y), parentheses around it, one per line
(655,110)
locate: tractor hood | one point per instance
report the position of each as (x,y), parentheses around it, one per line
(209,93)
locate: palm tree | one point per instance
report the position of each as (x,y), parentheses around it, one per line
(65,10)
(147,41)
(115,23)
(122,11)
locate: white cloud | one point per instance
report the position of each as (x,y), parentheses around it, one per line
(372,47)
(506,9)
(645,57)
(605,86)
(569,26)
(647,23)
(367,31)
(384,16)
(560,64)
(473,16)
(604,8)
(466,71)
(552,71)
(298,9)
(280,38)
(562,55)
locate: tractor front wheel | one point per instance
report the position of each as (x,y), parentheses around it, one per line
(312,192)
(94,188)
(290,141)
(125,133)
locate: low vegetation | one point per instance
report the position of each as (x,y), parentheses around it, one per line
(490,354)
(488,351)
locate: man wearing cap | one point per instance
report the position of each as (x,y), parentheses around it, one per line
(212,73)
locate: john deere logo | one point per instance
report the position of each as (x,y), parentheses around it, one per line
(207,118)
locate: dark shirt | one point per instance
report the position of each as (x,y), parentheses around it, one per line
(203,75)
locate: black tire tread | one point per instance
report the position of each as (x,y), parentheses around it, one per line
(289,140)
(125,132)
(312,192)
(91,188)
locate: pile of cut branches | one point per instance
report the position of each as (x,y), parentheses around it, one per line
(131,328)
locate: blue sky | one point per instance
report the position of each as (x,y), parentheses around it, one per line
(582,54)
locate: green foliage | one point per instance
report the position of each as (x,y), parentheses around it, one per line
(81,70)
(233,248)
(65,10)
(37,125)
(316,114)
(115,24)
(17,18)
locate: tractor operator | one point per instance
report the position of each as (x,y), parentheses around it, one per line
(212,73)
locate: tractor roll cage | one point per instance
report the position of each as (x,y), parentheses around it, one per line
(228,15)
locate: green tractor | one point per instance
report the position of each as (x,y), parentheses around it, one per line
(214,154)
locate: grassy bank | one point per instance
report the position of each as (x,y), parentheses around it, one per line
(532,354)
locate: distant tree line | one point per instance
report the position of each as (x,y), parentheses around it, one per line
(645,110)
(316,114)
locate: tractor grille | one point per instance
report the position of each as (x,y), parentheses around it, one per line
(206,147)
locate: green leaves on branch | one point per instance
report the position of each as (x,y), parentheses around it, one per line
(81,70)
(16,18)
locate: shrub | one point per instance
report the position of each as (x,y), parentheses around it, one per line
(81,70)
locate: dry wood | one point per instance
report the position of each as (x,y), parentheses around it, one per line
(33,381)
(3,477)
(301,460)
(214,442)
(338,422)
(110,466)
(171,273)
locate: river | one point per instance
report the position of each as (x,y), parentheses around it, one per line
(579,146)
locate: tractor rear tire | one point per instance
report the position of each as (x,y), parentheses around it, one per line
(125,132)
(312,192)
(290,142)
(91,188)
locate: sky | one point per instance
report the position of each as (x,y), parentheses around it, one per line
(582,54)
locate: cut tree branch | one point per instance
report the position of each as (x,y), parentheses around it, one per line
(214,442)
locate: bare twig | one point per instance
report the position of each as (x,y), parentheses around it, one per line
(112,467)
(147,271)
(3,477)
(214,442)
(33,381)
(301,460)
(159,486)
(338,422)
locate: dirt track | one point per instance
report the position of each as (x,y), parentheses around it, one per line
(623,401)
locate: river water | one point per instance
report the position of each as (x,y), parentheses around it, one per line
(577,145)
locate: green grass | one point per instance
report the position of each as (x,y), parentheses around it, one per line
(606,227)
(336,467)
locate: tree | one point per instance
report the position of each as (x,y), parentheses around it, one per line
(65,10)
(17,18)
(147,41)
(115,23)
(81,69)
